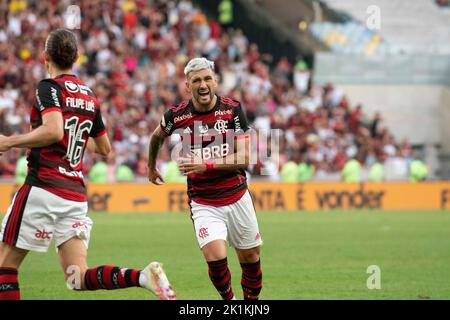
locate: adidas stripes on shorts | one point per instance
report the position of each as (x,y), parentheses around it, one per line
(37,216)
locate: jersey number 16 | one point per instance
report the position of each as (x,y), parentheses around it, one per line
(76,142)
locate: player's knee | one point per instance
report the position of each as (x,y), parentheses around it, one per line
(252,257)
(249,255)
(11,257)
(215,250)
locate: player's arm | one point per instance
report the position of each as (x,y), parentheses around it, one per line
(100,142)
(156,141)
(240,159)
(50,131)
(100,145)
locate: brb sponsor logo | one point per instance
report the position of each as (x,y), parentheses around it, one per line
(42,234)
(215,151)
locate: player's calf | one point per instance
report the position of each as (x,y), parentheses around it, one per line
(221,278)
(111,277)
(251,280)
(9,284)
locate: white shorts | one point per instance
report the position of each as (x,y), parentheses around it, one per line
(235,223)
(37,216)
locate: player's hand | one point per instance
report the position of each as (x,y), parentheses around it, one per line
(4,145)
(189,165)
(155,177)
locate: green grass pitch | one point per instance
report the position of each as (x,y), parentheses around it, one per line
(306,255)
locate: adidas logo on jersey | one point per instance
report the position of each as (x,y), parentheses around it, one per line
(187,130)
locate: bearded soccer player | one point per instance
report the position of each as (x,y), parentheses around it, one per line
(214,154)
(52,204)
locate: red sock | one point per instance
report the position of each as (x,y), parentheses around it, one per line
(9,284)
(251,280)
(111,277)
(221,278)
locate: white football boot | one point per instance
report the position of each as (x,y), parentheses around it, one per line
(158,282)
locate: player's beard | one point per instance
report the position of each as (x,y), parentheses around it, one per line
(206,99)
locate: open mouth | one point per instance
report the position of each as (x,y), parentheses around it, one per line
(204,94)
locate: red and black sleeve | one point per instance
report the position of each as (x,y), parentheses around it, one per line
(48,97)
(167,122)
(98,127)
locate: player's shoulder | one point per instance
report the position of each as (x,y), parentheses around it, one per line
(180,108)
(227,101)
(47,83)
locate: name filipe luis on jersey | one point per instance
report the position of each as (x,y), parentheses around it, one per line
(79,103)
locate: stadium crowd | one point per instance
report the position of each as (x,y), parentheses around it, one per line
(133,54)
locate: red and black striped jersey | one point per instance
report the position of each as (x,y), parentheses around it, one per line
(210,135)
(58,168)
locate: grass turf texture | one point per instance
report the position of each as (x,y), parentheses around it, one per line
(314,255)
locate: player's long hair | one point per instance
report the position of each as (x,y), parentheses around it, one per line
(61,45)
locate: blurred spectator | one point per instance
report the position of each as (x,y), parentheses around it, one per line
(443,3)
(417,171)
(21,170)
(98,172)
(305,171)
(225,10)
(376,172)
(396,167)
(124,174)
(375,124)
(172,174)
(351,171)
(302,76)
(289,172)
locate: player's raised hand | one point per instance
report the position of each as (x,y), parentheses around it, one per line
(4,145)
(155,177)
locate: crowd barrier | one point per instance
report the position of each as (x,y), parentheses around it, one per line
(142,197)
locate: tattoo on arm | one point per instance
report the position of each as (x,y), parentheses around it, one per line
(156,142)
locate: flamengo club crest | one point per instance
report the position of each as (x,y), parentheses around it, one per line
(203,232)
(221,126)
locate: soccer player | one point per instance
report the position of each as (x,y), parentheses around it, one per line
(214,154)
(52,203)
